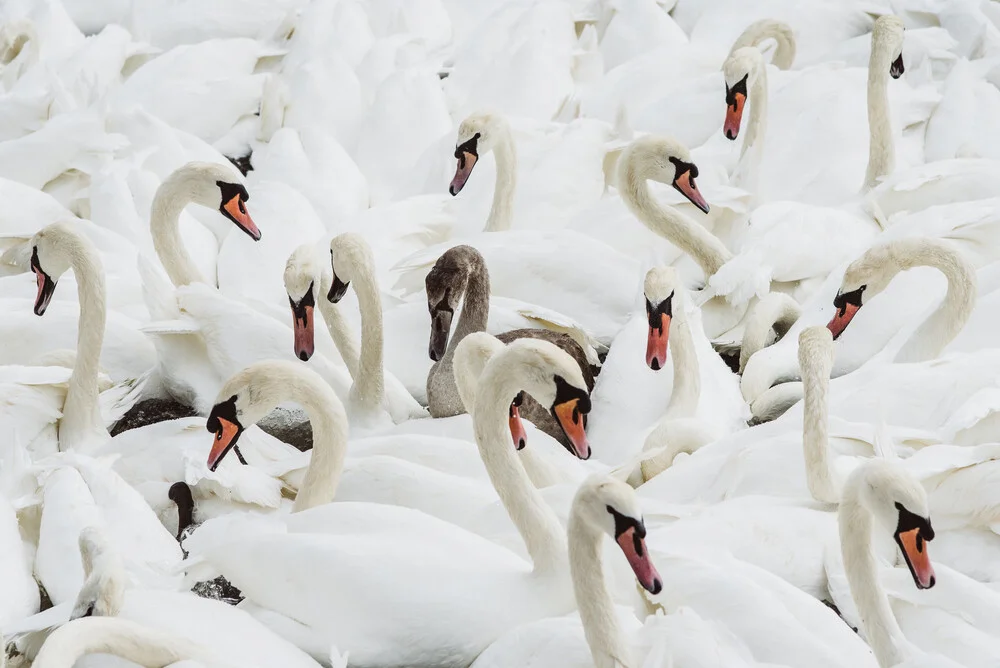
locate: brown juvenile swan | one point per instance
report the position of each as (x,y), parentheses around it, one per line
(461,272)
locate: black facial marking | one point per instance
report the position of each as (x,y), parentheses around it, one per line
(654,313)
(566,392)
(227,411)
(299,308)
(338,289)
(471,147)
(738,87)
(896,69)
(229,191)
(623,523)
(680,167)
(844,298)
(909,521)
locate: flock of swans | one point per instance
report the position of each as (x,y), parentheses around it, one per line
(690,364)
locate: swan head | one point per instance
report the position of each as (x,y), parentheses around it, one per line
(349,254)
(216,186)
(252,393)
(553,379)
(659,290)
(103,591)
(445,285)
(899,503)
(662,159)
(887,42)
(477,135)
(303,277)
(740,71)
(52,251)
(610,506)
(864,278)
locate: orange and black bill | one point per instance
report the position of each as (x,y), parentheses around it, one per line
(631,538)
(847,304)
(467,155)
(223,422)
(912,535)
(684,175)
(570,408)
(234,207)
(46,286)
(303,319)
(659,332)
(736,99)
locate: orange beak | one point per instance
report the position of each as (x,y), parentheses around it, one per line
(571,420)
(517,430)
(734,114)
(466,161)
(237,210)
(302,324)
(842,319)
(656,344)
(225,439)
(634,547)
(687,187)
(917,557)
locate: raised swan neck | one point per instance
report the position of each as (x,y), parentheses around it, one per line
(502,210)
(81,420)
(164,226)
(881,146)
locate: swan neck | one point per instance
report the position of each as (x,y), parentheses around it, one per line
(110,635)
(815,423)
(597,610)
(879,624)
(81,419)
(329,432)
(502,211)
(881,147)
(536,522)
(370,382)
(758,109)
(164,226)
(948,319)
(687,379)
(340,332)
(703,247)
(756,33)
(475,309)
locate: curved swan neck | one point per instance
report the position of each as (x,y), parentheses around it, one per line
(112,635)
(944,324)
(776,311)
(687,378)
(475,307)
(502,211)
(881,147)
(703,247)
(337,325)
(758,109)
(81,419)
(329,429)
(815,439)
(370,381)
(597,610)
(535,520)
(171,197)
(879,624)
(756,33)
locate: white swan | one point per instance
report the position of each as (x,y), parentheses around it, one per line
(487,132)
(352,262)
(879,494)
(631,395)
(864,280)
(384,539)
